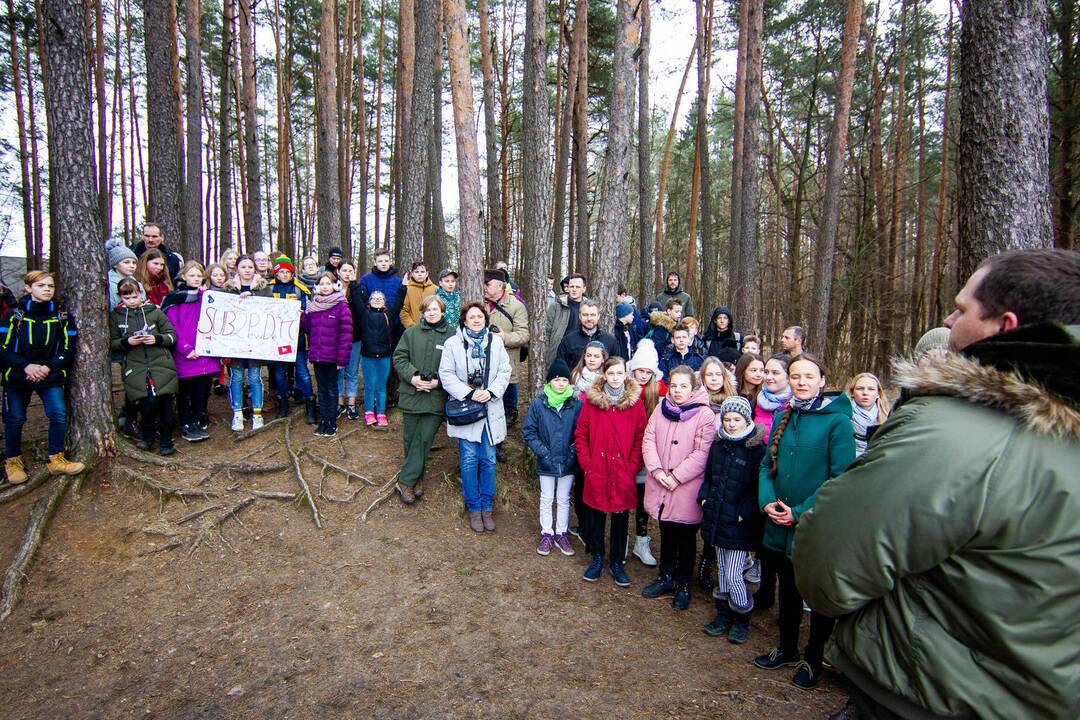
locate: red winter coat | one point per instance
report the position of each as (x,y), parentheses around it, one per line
(608,441)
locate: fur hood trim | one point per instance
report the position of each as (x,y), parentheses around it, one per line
(662,319)
(758,438)
(257,283)
(599,399)
(967,379)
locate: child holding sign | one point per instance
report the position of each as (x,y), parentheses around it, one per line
(247,282)
(328,323)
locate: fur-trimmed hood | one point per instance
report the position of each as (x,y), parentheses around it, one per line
(1009,389)
(662,319)
(599,399)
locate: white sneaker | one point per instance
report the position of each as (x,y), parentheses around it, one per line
(238,421)
(256,422)
(642,551)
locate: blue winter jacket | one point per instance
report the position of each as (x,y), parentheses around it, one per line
(549,433)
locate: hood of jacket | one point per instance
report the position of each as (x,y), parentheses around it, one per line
(711,333)
(599,399)
(1028,373)
(662,319)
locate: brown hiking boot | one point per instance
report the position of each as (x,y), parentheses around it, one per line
(418,490)
(16,473)
(406,494)
(488,520)
(476,522)
(60,465)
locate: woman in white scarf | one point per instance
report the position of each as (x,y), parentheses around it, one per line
(868,407)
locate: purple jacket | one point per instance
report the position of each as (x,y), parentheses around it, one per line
(329,333)
(185,320)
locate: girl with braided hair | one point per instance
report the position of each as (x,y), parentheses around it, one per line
(811,442)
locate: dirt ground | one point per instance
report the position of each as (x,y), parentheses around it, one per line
(408,614)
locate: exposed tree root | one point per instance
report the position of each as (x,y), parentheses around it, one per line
(385,491)
(218,522)
(11,492)
(275,423)
(40,515)
(273,494)
(328,465)
(166,490)
(171,545)
(198,513)
(128,450)
(305,490)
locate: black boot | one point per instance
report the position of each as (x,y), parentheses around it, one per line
(663,585)
(723,620)
(283,406)
(704,570)
(681,601)
(740,628)
(309,406)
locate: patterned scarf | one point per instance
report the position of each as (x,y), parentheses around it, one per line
(182,295)
(678,413)
(614,393)
(807,404)
(477,344)
(771,403)
(585,379)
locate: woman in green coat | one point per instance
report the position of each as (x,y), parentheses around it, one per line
(811,443)
(420,396)
(143,335)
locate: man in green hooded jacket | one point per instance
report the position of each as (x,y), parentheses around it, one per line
(950,552)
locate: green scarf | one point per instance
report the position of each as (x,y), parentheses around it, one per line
(555,399)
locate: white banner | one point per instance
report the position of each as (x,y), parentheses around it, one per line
(248,328)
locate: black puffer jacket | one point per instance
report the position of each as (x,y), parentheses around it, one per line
(729,496)
(376,333)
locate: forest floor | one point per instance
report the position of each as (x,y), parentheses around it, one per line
(407,614)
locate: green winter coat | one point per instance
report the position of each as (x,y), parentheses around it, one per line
(816,445)
(950,552)
(418,353)
(139,359)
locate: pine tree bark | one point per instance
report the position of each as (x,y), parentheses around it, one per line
(162,108)
(435,250)
(470,213)
(104,179)
(581,158)
(646,259)
(665,170)
(253,233)
(735,233)
(935,312)
(328,195)
(562,158)
(193,99)
(82,283)
(710,293)
(536,181)
(496,240)
(1065,123)
(24,154)
(224,227)
(609,252)
(1003,197)
(834,173)
(743,291)
(414,183)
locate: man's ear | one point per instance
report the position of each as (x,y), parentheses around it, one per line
(1009,321)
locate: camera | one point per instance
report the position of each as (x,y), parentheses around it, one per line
(476,378)
(426,378)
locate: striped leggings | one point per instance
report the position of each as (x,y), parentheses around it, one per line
(731,586)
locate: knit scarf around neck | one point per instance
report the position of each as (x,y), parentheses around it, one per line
(770,402)
(557,399)
(586,378)
(677,413)
(750,428)
(807,404)
(614,394)
(863,419)
(320,302)
(476,341)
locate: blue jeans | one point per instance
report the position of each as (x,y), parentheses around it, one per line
(376,372)
(237,370)
(477,473)
(16,400)
(348,382)
(303,376)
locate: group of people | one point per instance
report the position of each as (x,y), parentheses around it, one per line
(931,559)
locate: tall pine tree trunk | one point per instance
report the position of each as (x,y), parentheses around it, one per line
(162,108)
(935,312)
(834,174)
(414,182)
(562,154)
(82,288)
(1004,126)
(24,153)
(709,254)
(224,227)
(192,249)
(435,250)
(496,243)
(253,234)
(735,233)
(646,260)
(581,156)
(328,196)
(743,291)
(470,239)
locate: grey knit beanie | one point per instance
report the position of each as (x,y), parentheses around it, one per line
(118,251)
(737,404)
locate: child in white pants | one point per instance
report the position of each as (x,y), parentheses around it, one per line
(549,432)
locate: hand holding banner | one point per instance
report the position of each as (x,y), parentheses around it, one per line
(248,328)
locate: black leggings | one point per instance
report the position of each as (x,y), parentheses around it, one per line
(678,547)
(620,522)
(641,518)
(326,375)
(582,511)
(157,418)
(192,399)
(791,612)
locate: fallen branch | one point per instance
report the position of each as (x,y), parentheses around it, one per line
(344,500)
(385,491)
(192,515)
(306,491)
(17,491)
(276,422)
(273,494)
(40,515)
(163,490)
(327,464)
(171,545)
(218,522)
(129,450)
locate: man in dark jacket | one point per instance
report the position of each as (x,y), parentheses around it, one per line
(562,315)
(674,291)
(153,238)
(573,344)
(950,552)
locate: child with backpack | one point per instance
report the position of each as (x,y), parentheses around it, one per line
(549,432)
(36,362)
(731,521)
(328,323)
(144,335)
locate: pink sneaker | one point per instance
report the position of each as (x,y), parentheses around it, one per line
(563,543)
(382,421)
(369,418)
